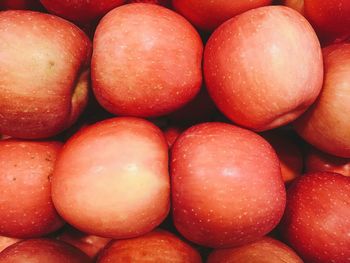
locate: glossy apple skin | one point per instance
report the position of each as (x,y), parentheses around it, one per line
(81,11)
(42,250)
(265,250)
(289,153)
(156,246)
(208,15)
(227,188)
(330,18)
(26,208)
(147,72)
(44,75)
(325,125)
(317,161)
(316,222)
(7,241)
(89,244)
(111,179)
(251,91)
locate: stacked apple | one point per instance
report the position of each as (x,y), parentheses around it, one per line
(174,131)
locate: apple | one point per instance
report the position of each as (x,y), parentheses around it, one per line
(156,246)
(166,3)
(208,14)
(325,125)
(111,179)
(316,222)
(7,241)
(26,208)
(319,161)
(330,18)
(264,250)
(44,74)
(91,245)
(81,11)
(255,71)
(171,133)
(146,61)
(227,188)
(288,151)
(42,250)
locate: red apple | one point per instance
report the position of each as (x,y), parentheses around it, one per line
(81,11)
(319,161)
(325,125)
(227,188)
(26,209)
(171,134)
(111,179)
(166,3)
(265,250)
(44,74)
(316,222)
(157,246)
(89,244)
(7,241)
(146,61)
(208,14)
(330,18)
(288,152)
(42,251)
(255,71)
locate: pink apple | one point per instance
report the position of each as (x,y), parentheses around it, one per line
(146,61)
(326,124)
(227,188)
(81,11)
(43,251)
(265,250)
(111,179)
(255,71)
(316,222)
(319,161)
(26,208)
(156,246)
(44,74)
